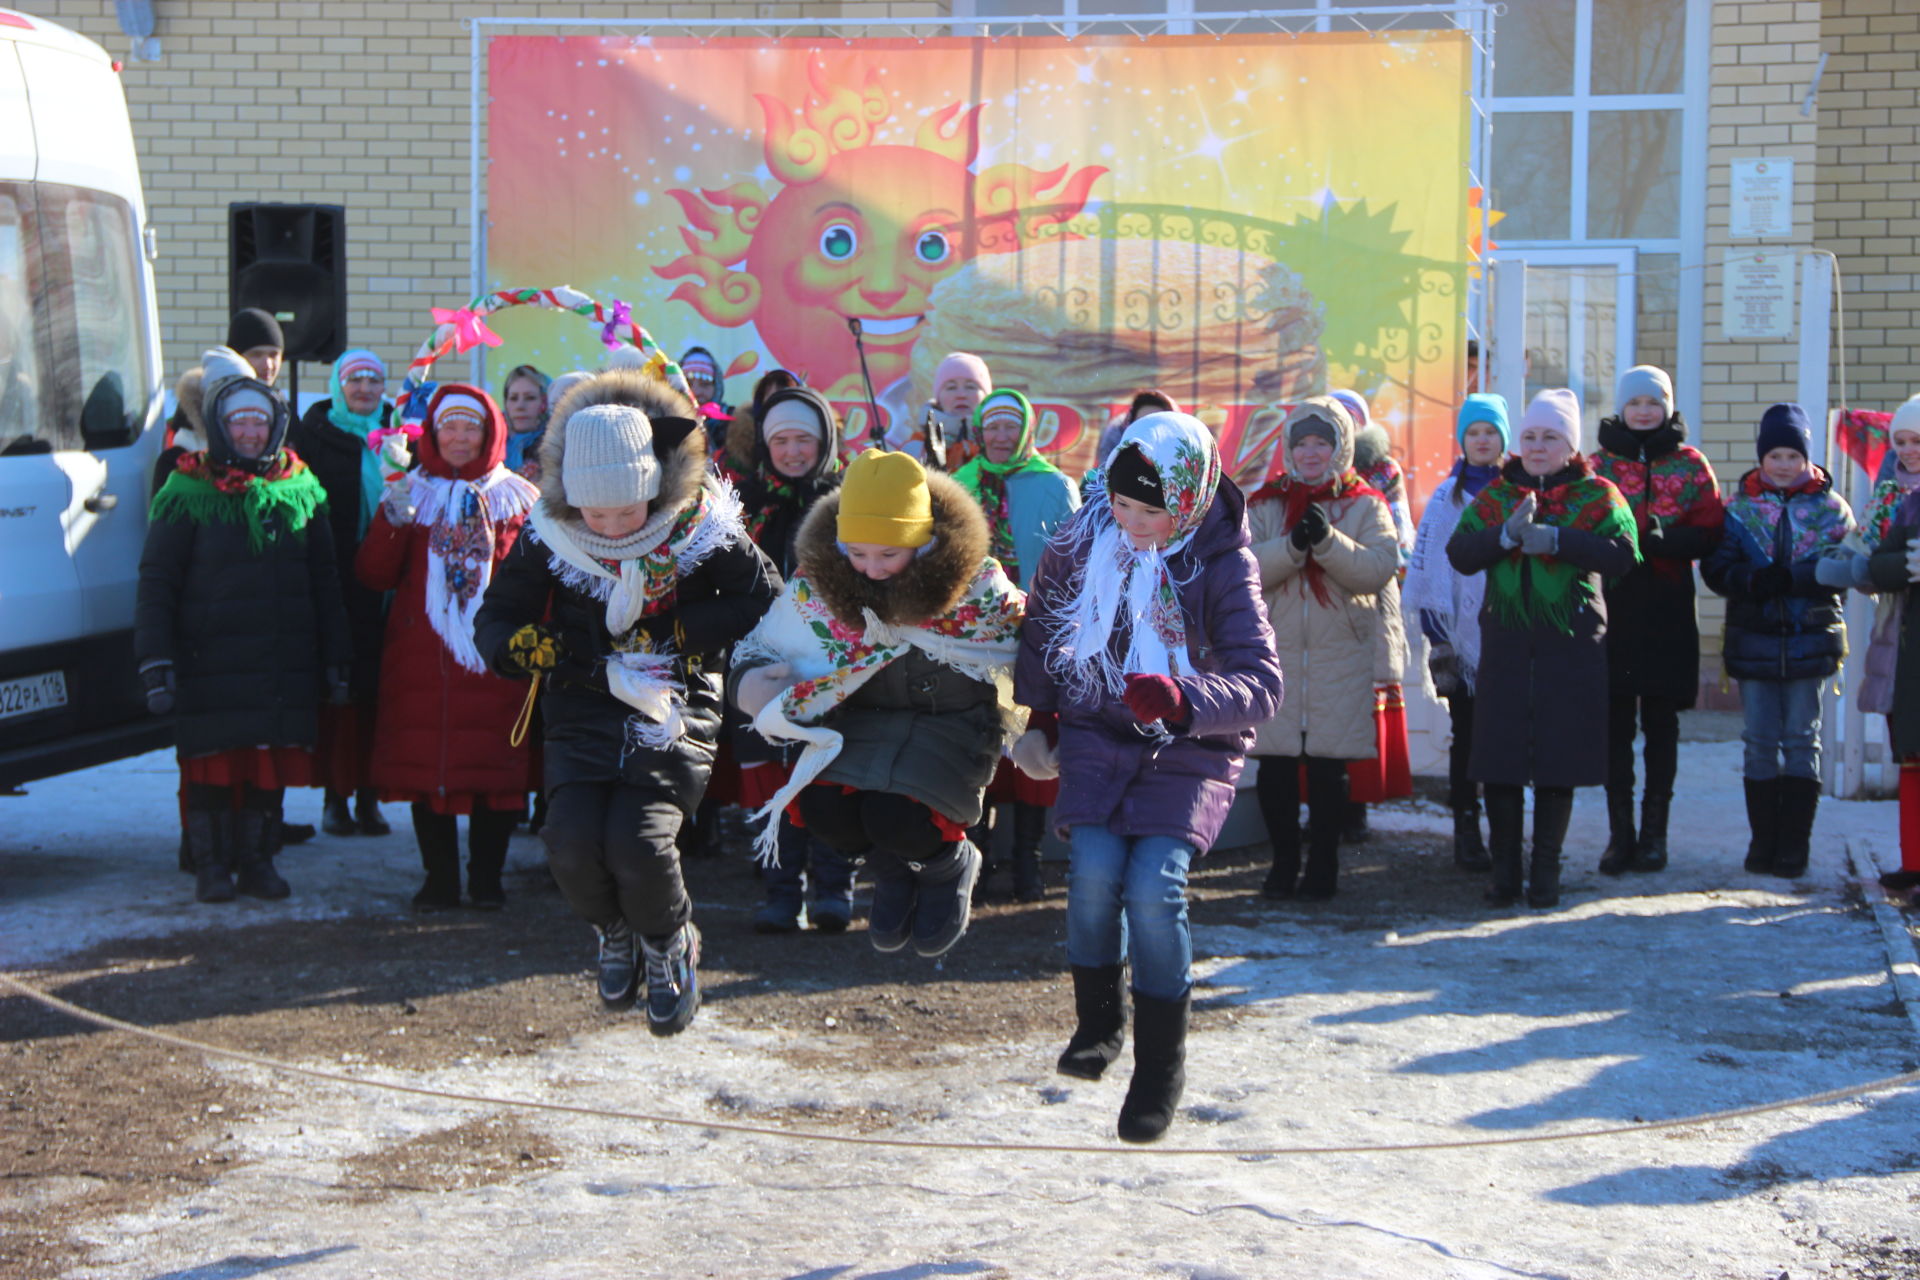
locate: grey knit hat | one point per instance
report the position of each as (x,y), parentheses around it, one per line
(607,459)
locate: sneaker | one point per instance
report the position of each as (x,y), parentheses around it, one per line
(619,965)
(673,980)
(946,896)
(895,890)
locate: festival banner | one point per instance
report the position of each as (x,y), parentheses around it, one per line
(1239,221)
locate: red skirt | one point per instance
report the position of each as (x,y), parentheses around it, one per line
(343,758)
(264,768)
(759,783)
(1389,775)
(1010,786)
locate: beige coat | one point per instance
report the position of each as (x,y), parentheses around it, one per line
(1331,655)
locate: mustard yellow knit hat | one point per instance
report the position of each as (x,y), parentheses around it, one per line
(884,501)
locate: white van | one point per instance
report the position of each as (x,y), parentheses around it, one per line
(80,404)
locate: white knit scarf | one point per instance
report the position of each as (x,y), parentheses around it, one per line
(461,518)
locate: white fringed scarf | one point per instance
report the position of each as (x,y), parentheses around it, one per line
(462,518)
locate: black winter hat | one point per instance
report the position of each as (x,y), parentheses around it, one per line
(252,328)
(1131,475)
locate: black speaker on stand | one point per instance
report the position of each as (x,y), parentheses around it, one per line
(290,260)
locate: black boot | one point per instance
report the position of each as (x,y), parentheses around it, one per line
(488,834)
(1159,1067)
(1799,801)
(1354,828)
(1552,810)
(336,818)
(1469,851)
(367,816)
(1651,852)
(1622,843)
(1029,828)
(1321,880)
(1506,837)
(256,840)
(1101,1021)
(209,840)
(890,918)
(438,836)
(1279,796)
(943,898)
(1763,824)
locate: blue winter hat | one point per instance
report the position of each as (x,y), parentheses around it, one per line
(1784,426)
(1484,406)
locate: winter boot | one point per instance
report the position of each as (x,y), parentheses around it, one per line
(1029,828)
(1321,879)
(945,897)
(1622,843)
(1763,824)
(895,891)
(1469,851)
(256,841)
(366,814)
(1353,828)
(1552,810)
(209,839)
(488,834)
(1101,1025)
(1283,835)
(336,818)
(1651,853)
(619,964)
(830,880)
(1159,1067)
(438,836)
(673,979)
(1799,800)
(786,890)
(1506,836)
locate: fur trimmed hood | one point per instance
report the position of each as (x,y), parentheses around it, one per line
(743,433)
(190,394)
(678,442)
(928,588)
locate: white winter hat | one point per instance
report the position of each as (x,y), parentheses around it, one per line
(1905,418)
(246,404)
(1558,410)
(607,457)
(459,404)
(221,364)
(1643,380)
(795,411)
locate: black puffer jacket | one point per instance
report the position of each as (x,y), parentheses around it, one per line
(250,633)
(334,456)
(715,603)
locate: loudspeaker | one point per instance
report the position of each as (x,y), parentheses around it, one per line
(291,260)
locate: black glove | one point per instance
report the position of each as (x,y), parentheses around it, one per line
(1653,539)
(1770,580)
(533,649)
(339,686)
(1312,527)
(157,679)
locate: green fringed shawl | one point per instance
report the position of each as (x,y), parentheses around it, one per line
(195,498)
(1551,591)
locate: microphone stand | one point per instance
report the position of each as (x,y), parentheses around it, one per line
(873,404)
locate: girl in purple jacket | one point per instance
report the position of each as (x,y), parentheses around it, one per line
(1147,661)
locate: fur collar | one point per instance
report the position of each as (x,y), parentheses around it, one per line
(743,433)
(929,588)
(683,466)
(190,393)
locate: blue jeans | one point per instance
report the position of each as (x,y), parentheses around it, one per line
(1127,899)
(1783,719)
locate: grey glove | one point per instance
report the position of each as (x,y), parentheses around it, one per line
(1834,571)
(156,678)
(1540,540)
(397,503)
(1518,523)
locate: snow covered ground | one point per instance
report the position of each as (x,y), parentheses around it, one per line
(1639,999)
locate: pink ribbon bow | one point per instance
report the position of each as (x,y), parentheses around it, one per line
(469,328)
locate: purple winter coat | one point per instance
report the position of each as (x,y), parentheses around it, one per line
(1113,772)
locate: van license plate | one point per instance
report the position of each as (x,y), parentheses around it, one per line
(29,694)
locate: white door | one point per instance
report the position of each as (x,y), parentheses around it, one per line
(1579,324)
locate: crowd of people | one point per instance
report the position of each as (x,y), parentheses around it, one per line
(634,603)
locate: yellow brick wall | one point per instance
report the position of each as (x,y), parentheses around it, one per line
(339,102)
(1867,204)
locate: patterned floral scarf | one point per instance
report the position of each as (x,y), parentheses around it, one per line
(1549,591)
(1118,595)
(979,637)
(987,481)
(201,493)
(462,519)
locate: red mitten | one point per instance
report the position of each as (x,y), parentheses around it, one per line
(1047,722)
(1152,698)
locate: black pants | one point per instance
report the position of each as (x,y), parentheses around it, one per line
(489,831)
(1277,788)
(863,821)
(612,849)
(1462,794)
(1660,720)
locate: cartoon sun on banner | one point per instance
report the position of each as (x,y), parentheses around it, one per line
(1238,221)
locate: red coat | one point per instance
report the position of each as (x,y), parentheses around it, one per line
(443,731)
